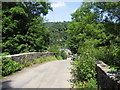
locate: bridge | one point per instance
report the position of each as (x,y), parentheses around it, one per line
(55,74)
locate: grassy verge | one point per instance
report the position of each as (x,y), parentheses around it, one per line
(44,59)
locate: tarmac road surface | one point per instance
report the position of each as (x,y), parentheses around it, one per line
(55,74)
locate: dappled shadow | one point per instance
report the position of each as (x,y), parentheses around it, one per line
(6,85)
(72,81)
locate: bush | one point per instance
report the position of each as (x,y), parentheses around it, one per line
(84,71)
(84,67)
(64,54)
(92,83)
(109,55)
(59,57)
(9,66)
(55,49)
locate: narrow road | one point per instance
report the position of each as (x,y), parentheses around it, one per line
(55,74)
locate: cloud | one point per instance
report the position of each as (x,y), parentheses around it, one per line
(58,4)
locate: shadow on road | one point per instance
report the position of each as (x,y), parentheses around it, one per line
(6,85)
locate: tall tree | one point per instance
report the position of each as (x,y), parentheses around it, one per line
(23,28)
(95,15)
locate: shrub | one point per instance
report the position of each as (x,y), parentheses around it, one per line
(59,57)
(64,54)
(92,83)
(84,71)
(109,55)
(55,49)
(84,67)
(9,66)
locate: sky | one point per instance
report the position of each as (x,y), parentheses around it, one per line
(62,11)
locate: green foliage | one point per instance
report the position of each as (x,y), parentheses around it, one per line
(112,10)
(84,65)
(94,35)
(109,55)
(112,68)
(92,83)
(57,38)
(4,54)
(59,57)
(64,55)
(9,66)
(55,49)
(58,34)
(23,28)
(44,59)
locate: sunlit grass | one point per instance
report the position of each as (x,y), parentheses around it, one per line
(44,59)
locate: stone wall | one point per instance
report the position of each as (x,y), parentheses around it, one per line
(24,57)
(107,79)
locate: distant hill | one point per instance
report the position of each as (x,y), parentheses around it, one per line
(58,34)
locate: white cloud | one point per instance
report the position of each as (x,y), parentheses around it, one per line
(58,4)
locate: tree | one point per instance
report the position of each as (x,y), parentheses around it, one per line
(84,26)
(23,28)
(91,20)
(58,34)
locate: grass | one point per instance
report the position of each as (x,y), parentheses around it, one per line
(44,59)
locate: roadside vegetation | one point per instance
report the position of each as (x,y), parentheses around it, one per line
(94,34)
(9,66)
